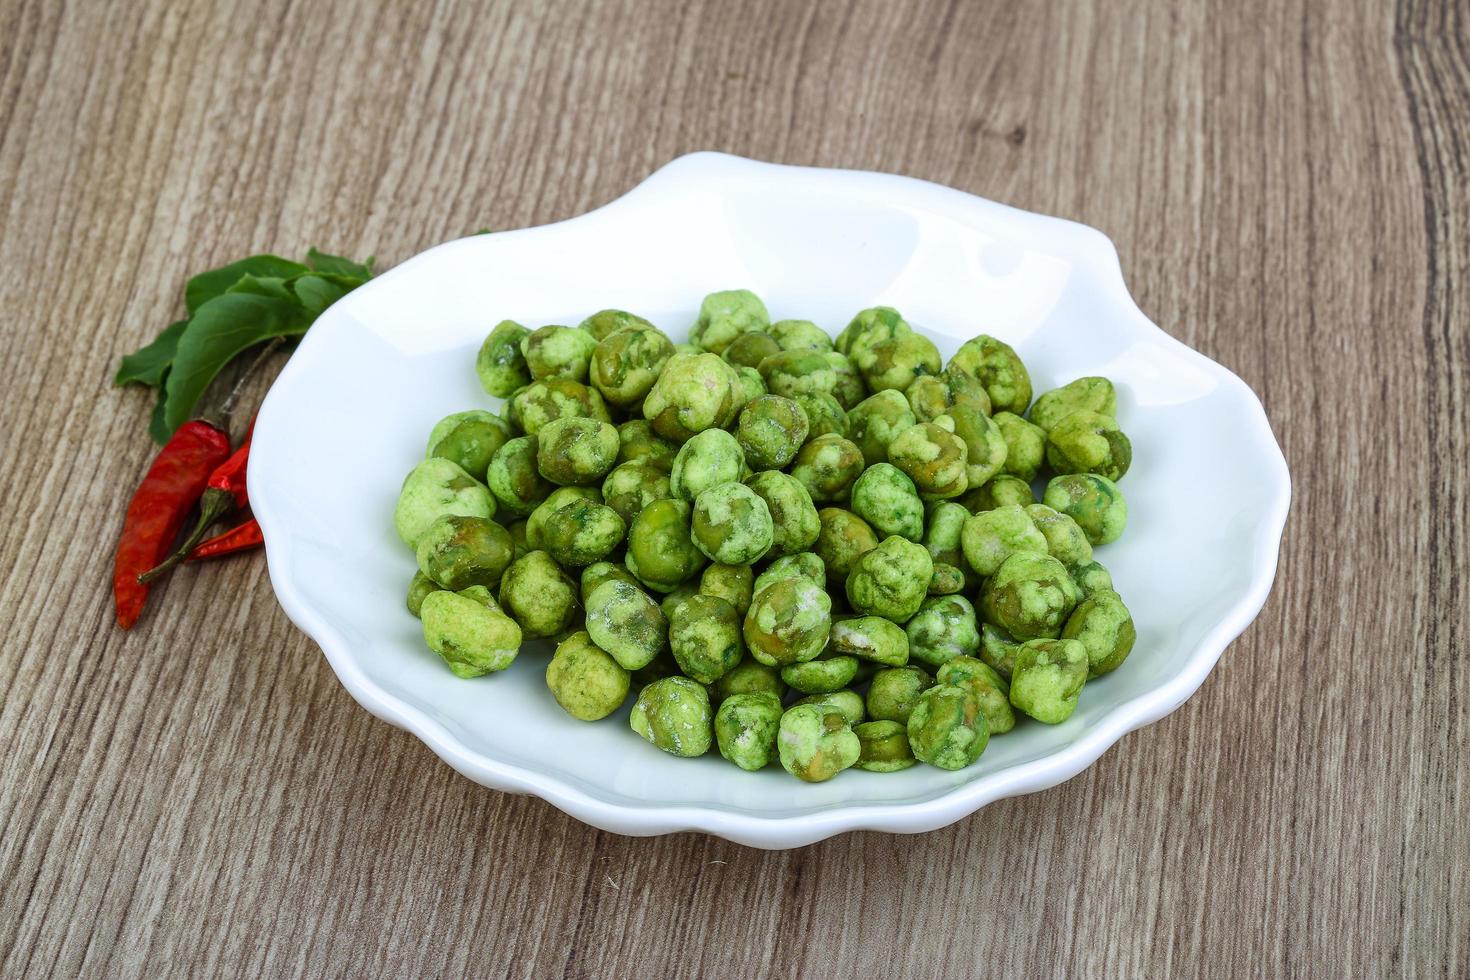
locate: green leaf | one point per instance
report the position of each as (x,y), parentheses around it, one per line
(322,262)
(148,365)
(221,329)
(483,231)
(156,427)
(207,285)
(273,286)
(316,293)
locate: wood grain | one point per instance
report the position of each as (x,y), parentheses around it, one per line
(1288,182)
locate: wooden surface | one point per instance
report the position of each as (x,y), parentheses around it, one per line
(1288,182)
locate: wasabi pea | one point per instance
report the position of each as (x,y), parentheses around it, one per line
(821,676)
(500,364)
(1092,577)
(581,532)
(1030,596)
(473,442)
(1093,501)
(661,549)
(1065,541)
(932,396)
(555,398)
(625,364)
(997,649)
(624,621)
(875,421)
(824,416)
(605,323)
(942,532)
(1047,679)
(1084,394)
(942,629)
(638,442)
(419,589)
(704,636)
(894,364)
(749,676)
(731,524)
(883,746)
(895,691)
(827,467)
(603,571)
(656,669)
(538,595)
(934,457)
(985,444)
(886,498)
(733,583)
(576,451)
(788,622)
(815,743)
(694,392)
(586,682)
(517,531)
(675,599)
(807,566)
(630,487)
(1088,442)
(515,480)
(995,364)
(723,316)
(1104,627)
(872,638)
(746,727)
(1025,445)
(453,420)
(992,536)
(794,521)
(947,728)
(558,352)
(947,579)
(771,430)
(1000,491)
(849,704)
(799,335)
(847,384)
(435,488)
(749,349)
(891,580)
(986,686)
(674,715)
(843,539)
(458,552)
(707,460)
(473,638)
(870,327)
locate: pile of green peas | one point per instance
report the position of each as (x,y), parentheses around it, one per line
(826,554)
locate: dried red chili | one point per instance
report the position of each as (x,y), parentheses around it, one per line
(223,491)
(243,537)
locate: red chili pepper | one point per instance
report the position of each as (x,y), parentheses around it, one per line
(158,508)
(243,537)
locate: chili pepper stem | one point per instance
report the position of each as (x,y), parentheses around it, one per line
(213,505)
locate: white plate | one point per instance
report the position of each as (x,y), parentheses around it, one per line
(1207,494)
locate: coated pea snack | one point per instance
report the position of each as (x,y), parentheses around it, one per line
(831,554)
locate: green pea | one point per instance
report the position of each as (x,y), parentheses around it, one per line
(472,443)
(538,595)
(731,524)
(997,649)
(517,531)
(626,364)
(749,349)
(847,384)
(603,571)
(985,444)
(1091,578)
(895,691)
(435,488)
(843,538)
(771,430)
(1030,596)
(799,335)
(998,492)
(995,364)
(1104,627)
(558,352)
(1084,394)
(931,396)
(942,629)
(788,622)
(992,536)
(806,565)
(1088,442)
(746,727)
(986,686)
(707,460)
(559,498)
(605,323)
(872,638)
(883,746)
(875,421)
(849,704)
(661,549)
(638,442)
(893,364)
(500,364)
(891,580)
(1047,679)
(827,467)
(947,728)
(931,455)
(630,487)
(749,676)
(733,583)
(725,315)
(870,327)
(749,386)
(794,521)
(1065,541)
(576,451)
(458,552)
(676,598)
(555,398)
(582,532)
(887,499)
(947,579)
(821,676)
(515,480)
(585,681)
(704,635)
(942,532)
(815,743)
(1025,445)
(1093,501)
(800,373)
(419,589)
(623,620)
(825,416)
(674,715)
(472,638)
